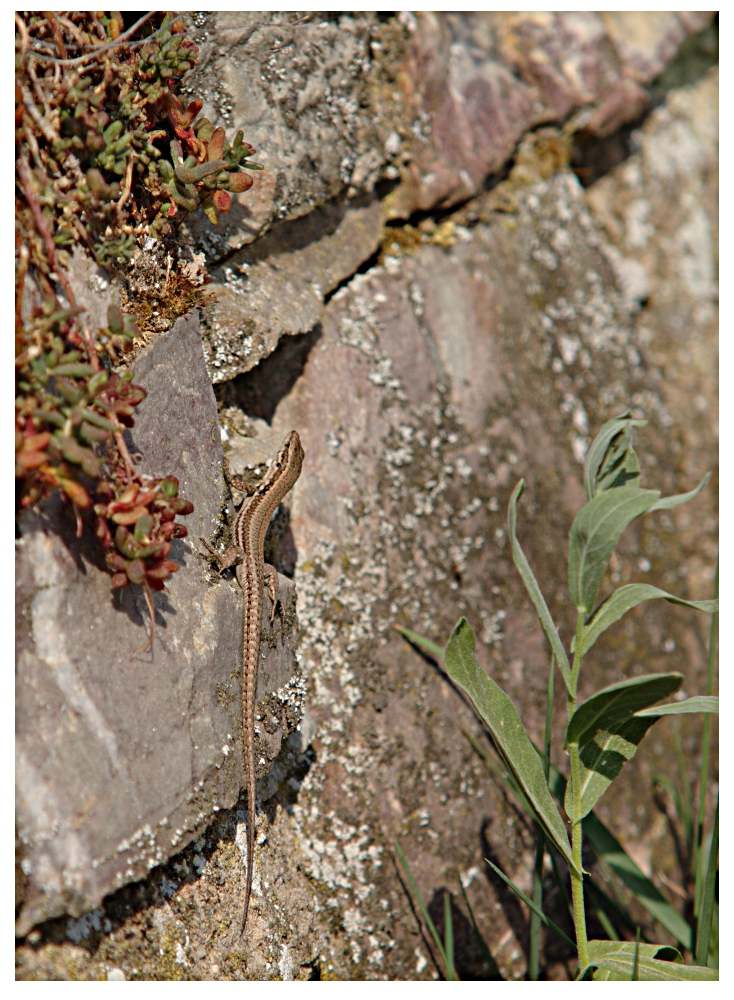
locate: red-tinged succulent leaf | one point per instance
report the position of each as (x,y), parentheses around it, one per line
(103,533)
(222,200)
(129,516)
(119,580)
(27,460)
(240,182)
(37,442)
(116,562)
(173,567)
(192,111)
(145,497)
(180,531)
(166,530)
(174,110)
(129,495)
(215,146)
(155,584)
(181,506)
(76,493)
(159,572)
(136,571)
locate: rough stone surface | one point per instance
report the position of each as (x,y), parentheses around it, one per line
(277,286)
(431,383)
(433,103)
(123,759)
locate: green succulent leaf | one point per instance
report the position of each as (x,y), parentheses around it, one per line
(594,535)
(617,703)
(666,503)
(508,732)
(621,601)
(531,585)
(614,960)
(700,703)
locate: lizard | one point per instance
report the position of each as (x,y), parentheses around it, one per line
(246,554)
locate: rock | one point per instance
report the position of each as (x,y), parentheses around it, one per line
(299,87)
(123,759)
(439,101)
(477,82)
(277,287)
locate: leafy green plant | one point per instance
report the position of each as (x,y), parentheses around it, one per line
(106,155)
(602,733)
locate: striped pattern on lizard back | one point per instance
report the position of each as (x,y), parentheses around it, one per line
(249,534)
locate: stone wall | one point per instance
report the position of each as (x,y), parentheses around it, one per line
(419,283)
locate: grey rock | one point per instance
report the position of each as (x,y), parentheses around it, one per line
(123,759)
(277,287)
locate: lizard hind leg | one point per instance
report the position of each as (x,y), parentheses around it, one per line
(271,576)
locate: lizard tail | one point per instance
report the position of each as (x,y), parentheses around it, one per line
(250,841)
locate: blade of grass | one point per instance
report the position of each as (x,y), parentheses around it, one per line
(528,901)
(448,937)
(485,949)
(422,906)
(636,962)
(697,866)
(431,647)
(703,933)
(534,955)
(686,799)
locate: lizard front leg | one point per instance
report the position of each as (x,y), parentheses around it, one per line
(232,557)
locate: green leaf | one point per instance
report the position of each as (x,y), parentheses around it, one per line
(700,703)
(431,647)
(706,917)
(666,503)
(594,536)
(536,909)
(621,601)
(603,759)
(615,961)
(617,703)
(606,846)
(531,585)
(501,718)
(606,456)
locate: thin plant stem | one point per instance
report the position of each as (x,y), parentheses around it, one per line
(534,957)
(698,840)
(577,879)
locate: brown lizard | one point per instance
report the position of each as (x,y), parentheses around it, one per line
(247,555)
